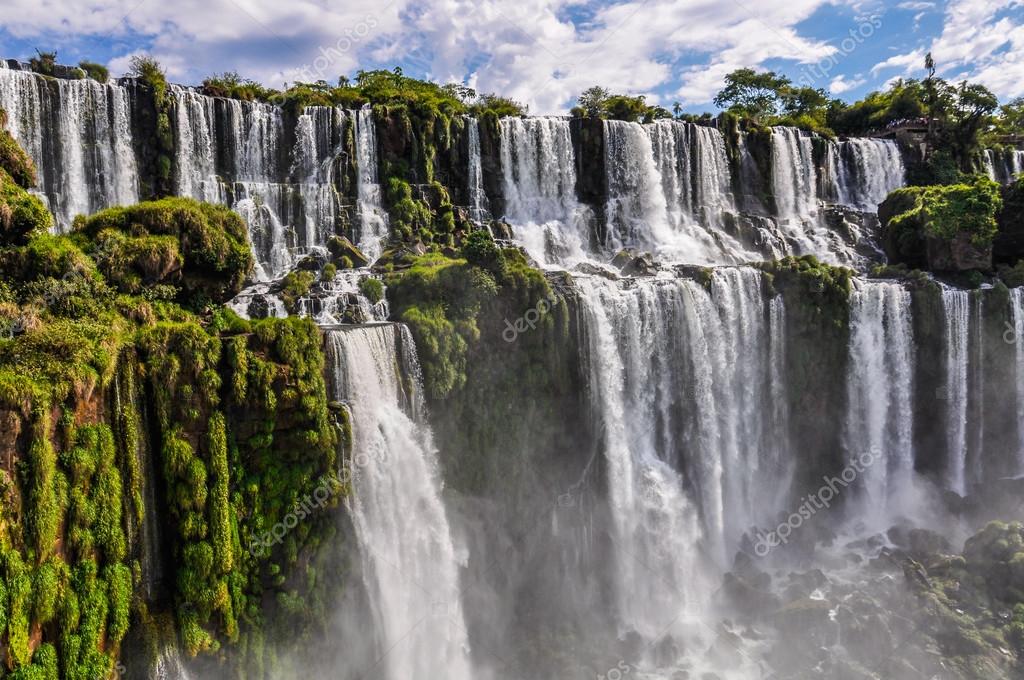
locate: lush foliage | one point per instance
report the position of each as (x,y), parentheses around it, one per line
(768,98)
(597,102)
(946,211)
(200,249)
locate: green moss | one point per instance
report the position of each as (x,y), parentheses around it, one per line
(212,251)
(13,160)
(22,215)
(373,289)
(295,285)
(945,211)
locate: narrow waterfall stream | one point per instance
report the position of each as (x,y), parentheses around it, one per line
(410,564)
(880,387)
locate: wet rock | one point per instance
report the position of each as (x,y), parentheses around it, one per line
(258,307)
(340,247)
(595,270)
(632,262)
(744,596)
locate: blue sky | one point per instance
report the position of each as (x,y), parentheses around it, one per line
(542,52)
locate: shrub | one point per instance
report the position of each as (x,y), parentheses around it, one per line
(98,72)
(373,289)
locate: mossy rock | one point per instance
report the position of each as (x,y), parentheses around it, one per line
(212,246)
(13,159)
(22,215)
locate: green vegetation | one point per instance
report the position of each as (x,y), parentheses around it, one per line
(200,249)
(597,102)
(236,415)
(149,72)
(233,86)
(944,212)
(44,63)
(771,99)
(373,289)
(98,72)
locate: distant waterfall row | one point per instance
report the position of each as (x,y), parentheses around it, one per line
(969,388)
(672,188)
(691,390)
(234,153)
(79,134)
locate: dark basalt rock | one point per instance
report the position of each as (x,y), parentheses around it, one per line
(632,262)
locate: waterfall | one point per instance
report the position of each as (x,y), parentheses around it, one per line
(235,153)
(409,561)
(479,208)
(794,178)
(637,209)
(668,189)
(680,375)
(1002,165)
(1016,334)
(880,388)
(373,220)
(956,305)
(865,171)
(79,134)
(539,171)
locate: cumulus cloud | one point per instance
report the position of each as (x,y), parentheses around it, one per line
(981,40)
(840,84)
(542,52)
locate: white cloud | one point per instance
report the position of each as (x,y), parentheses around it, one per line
(981,40)
(840,84)
(531,50)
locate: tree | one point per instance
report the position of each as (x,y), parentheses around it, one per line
(592,101)
(677,109)
(758,95)
(801,101)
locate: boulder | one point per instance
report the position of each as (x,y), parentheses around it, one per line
(634,263)
(340,247)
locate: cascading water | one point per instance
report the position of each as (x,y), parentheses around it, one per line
(956,305)
(409,561)
(668,188)
(373,219)
(880,389)
(865,171)
(79,135)
(680,375)
(540,189)
(1017,314)
(232,152)
(794,178)
(479,208)
(1003,165)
